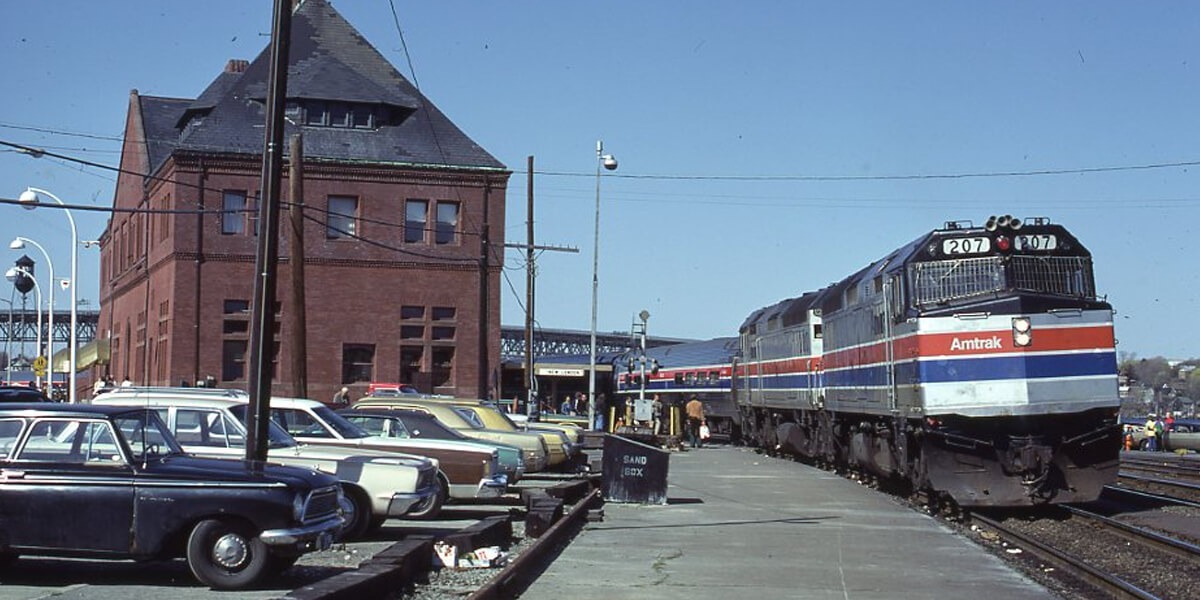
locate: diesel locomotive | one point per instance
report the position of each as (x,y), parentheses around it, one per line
(974,363)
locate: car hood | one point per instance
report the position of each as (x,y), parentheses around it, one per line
(311,452)
(224,470)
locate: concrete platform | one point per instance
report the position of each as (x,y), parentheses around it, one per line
(741,525)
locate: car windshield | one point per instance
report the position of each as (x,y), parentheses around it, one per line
(345,428)
(430,428)
(278,438)
(146,435)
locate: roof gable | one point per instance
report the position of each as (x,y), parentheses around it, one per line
(328,61)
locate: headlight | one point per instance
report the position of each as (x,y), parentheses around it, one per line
(299,504)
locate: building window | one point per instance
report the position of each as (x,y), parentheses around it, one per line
(444,313)
(412,332)
(447,223)
(441,334)
(233,360)
(358,363)
(442,365)
(342,218)
(416,217)
(410,363)
(233,215)
(412,312)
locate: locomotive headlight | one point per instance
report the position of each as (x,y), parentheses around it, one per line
(1022,331)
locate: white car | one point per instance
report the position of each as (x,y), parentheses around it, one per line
(469,469)
(377,485)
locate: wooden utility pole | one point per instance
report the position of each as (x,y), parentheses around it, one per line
(530,380)
(266,262)
(299,349)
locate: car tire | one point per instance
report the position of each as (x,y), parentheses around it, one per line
(225,555)
(356,510)
(432,506)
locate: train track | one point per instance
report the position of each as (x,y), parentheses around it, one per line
(1113,558)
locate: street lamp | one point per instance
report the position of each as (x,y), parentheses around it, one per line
(610,163)
(12,275)
(19,244)
(30,199)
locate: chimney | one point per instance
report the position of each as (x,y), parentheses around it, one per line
(236,65)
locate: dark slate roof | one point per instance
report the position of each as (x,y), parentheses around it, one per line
(328,60)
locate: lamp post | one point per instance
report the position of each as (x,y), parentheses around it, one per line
(610,163)
(19,244)
(8,343)
(30,199)
(12,276)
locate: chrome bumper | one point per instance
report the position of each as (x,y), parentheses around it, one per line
(492,487)
(315,536)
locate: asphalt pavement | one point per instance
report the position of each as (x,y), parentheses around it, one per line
(741,525)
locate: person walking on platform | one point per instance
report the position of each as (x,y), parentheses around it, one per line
(1151,440)
(695,416)
(656,413)
(342,397)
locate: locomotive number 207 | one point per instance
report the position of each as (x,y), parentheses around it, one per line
(1041,241)
(971,245)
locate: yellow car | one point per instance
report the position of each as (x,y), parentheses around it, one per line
(534,448)
(564,441)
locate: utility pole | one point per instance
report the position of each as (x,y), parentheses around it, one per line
(262,310)
(530,379)
(484,263)
(299,349)
(530,276)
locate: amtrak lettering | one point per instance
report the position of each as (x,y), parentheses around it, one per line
(992,343)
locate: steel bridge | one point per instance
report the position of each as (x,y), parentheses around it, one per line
(570,342)
(19,326)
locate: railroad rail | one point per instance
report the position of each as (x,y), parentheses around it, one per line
(1141,535)
(1106,583)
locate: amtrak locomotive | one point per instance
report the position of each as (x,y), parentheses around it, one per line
(976,363)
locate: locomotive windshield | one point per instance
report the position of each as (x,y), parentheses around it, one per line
(942,281)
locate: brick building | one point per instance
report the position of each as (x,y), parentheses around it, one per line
(401,282)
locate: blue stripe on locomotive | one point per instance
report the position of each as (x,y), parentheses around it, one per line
(1014,367)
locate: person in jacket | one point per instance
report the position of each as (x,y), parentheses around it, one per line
(695,416)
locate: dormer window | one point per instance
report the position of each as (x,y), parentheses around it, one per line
(346,115)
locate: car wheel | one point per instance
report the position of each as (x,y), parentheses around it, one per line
(356,510)
(226,556)
(1144,445)
(430,507)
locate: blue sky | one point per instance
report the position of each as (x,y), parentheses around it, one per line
(703,103)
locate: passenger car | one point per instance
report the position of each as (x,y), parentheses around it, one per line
(468,469)
(21,393)
(377,485)
(533,446)
(564,441)
(112,482)
(414,424)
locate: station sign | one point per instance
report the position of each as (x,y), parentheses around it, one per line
(553,372)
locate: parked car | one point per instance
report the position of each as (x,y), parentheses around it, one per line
(21,393)
(377,485)
(564,441)
(414,424)
(469,470)
(391,390)
(112,482)
(1184,434)
(534,446)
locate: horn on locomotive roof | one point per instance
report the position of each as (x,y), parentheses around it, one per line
(1015,224)
(1002,221)
(991,223)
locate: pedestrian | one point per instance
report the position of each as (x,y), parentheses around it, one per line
(126,382)
(342,397)
(695,416)
(1148,432)
(656,413)
(1158,436)
(565,407)
(601,409)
